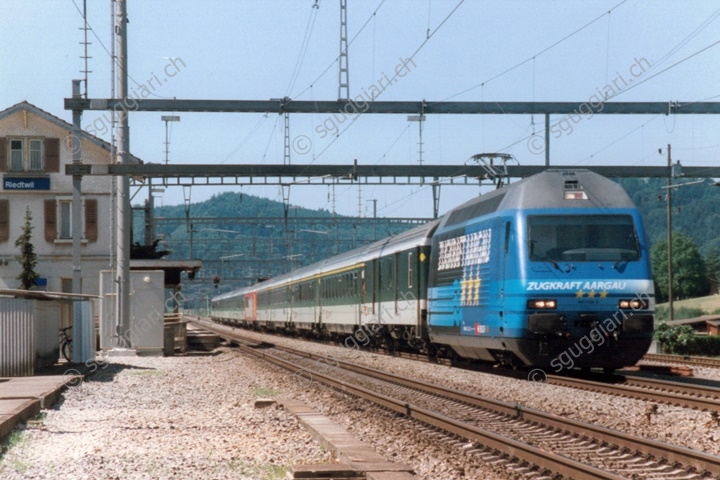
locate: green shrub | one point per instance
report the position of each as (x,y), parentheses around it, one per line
(705,345)
(682,340)
(675,339)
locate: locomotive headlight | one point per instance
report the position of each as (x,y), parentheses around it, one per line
(635,304)
(543,304)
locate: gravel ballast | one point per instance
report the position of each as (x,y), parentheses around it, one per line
(160,418)
(675,425)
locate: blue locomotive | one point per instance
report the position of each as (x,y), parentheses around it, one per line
(551,271)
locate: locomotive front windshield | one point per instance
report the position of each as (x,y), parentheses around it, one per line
(559,238)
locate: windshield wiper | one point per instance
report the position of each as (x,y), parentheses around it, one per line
(617,264)
(543,255)
(547,257)
(624,258)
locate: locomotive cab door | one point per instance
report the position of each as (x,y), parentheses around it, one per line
(506,256)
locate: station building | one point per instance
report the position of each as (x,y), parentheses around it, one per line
(33,155)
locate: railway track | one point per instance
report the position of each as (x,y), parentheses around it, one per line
(552,443)
(686,395)
(651,390)
(682,360)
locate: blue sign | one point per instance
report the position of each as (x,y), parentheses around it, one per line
(32,183)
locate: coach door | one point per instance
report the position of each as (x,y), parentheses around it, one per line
(375,285)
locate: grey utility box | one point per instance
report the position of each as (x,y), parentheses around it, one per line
(147,311)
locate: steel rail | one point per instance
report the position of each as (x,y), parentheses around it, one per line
(685,456)
(685,360)
(678,387)
(667,397)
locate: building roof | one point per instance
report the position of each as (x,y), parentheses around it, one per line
(702,319)
(161,264)
(29,107)
(42,295)
(172,268)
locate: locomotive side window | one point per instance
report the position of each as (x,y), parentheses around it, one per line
(507,236)
(579,238)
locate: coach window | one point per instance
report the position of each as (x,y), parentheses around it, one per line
(410,270)
(391,273)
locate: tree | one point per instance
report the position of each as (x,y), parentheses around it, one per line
(27,257)
(712,263)
(689,271)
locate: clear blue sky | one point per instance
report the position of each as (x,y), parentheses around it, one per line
(237,49)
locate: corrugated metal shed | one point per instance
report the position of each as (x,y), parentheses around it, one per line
(17,337)
(29,329)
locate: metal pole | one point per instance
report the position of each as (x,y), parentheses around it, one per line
(166,142)
(669,234)
(547,139)
(192,230)
(76,196)
(123,182)
(343,67)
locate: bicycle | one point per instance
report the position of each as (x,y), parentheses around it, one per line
(66,343)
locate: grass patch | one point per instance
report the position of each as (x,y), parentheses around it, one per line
(264,392)
(709,304)
(257,470)
(16,440)
(240,467)
(274,472)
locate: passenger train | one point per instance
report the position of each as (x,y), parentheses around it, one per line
(551,271)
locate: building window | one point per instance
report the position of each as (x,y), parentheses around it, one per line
(36,155)
(26,155)
(65,217)
(58,220)
(16,154)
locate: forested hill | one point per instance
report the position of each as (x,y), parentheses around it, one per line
(218,230)
(696,209)
(696,213)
